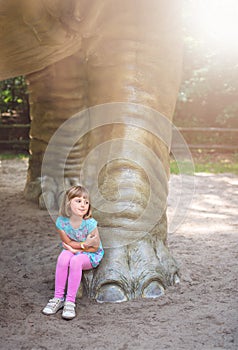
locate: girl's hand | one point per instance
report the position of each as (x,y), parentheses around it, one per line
(92,240)
(72,250)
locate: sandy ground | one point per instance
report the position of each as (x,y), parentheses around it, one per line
(199,313)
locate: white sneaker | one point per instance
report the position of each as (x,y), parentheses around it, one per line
(53,306)
(69,310)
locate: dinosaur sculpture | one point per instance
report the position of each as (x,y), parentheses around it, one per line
(103,80)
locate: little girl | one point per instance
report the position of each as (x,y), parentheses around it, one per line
(82,250)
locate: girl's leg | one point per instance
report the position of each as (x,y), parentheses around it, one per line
(61,273)
(78,263)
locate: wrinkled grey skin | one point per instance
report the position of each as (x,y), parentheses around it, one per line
(80,54)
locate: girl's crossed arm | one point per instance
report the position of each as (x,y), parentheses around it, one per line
(90,245)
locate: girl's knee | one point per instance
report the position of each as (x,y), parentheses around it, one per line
(64,258)
(76,262)
(80,261)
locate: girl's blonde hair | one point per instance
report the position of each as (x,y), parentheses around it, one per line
(72,192)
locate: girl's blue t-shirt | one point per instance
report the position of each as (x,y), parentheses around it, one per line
(80,234)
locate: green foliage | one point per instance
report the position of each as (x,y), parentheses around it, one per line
(217,168)
(13,95)
(208,94)
(207,167)
(10,156)
(209,90)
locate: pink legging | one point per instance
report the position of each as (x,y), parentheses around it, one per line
(70,266)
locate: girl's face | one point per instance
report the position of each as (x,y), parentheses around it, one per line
(79,206)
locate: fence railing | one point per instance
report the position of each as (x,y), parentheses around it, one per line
(16,137)
(231,134)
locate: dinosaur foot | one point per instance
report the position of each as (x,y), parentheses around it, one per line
(141,269)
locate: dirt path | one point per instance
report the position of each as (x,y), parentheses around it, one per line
(199,313)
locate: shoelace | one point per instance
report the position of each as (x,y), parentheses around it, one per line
(69,307)
(53,303)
